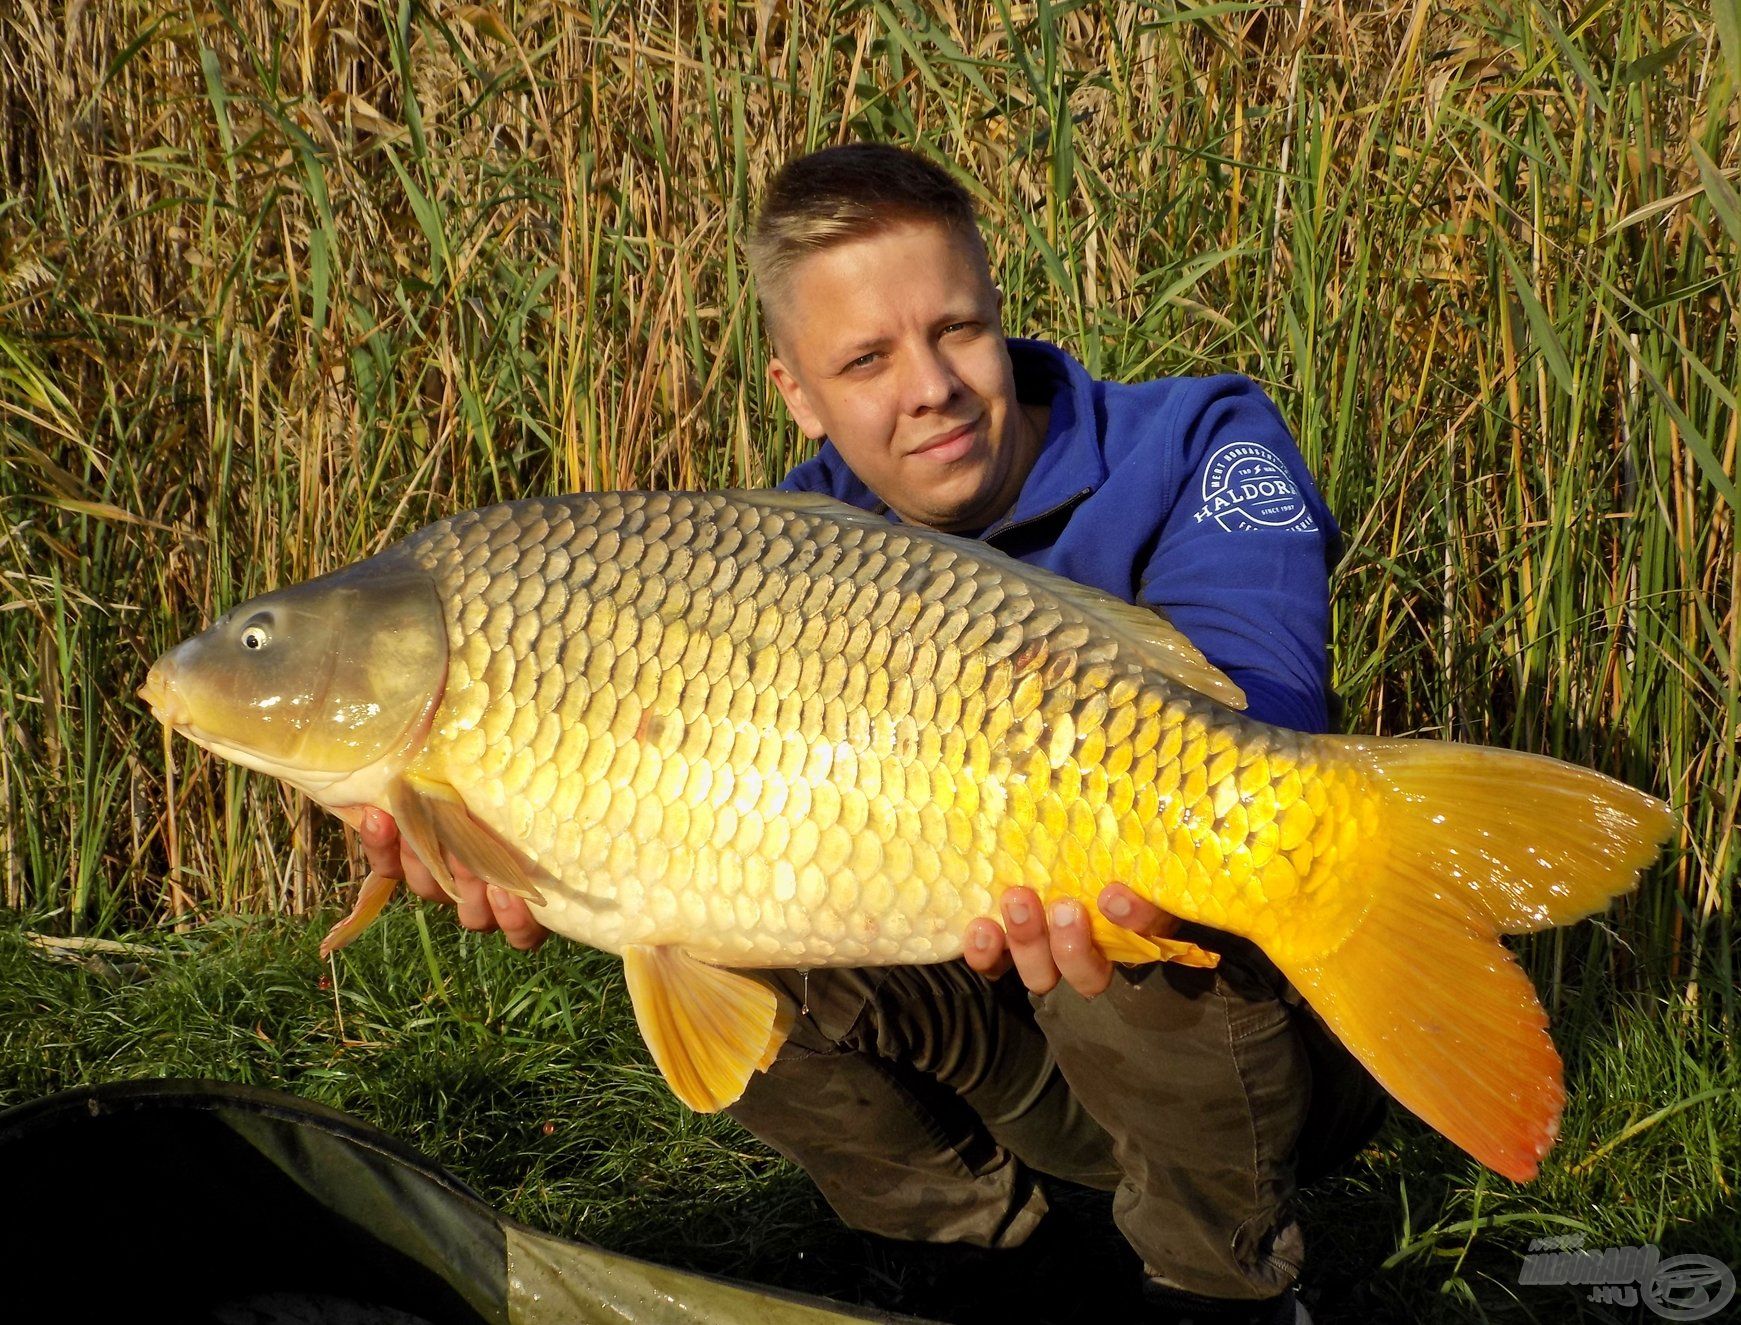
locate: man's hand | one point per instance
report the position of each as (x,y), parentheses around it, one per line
(1046,949)
(481,906)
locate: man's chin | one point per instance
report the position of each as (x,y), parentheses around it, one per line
(962,517)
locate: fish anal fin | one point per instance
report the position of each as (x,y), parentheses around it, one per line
(1423,993)
(1133,949)
(372,896)
(708,1028)
(1184,953)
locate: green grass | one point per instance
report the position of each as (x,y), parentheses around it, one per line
(274,293)
(525,1077)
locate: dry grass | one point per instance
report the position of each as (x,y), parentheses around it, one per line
(280,282)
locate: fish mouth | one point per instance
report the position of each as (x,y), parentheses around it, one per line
(167,706)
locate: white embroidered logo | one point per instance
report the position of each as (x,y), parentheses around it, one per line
(1246,486)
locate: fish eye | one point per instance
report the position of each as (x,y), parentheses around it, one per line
(256,635)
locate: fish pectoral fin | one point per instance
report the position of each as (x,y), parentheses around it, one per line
(1133,949)
(433,818)
(376,891)
(481,851)
(709,1028)
(412,808)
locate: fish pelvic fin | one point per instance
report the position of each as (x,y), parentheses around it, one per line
(433,818)
(708,1028)
(372,897)
(1473,843)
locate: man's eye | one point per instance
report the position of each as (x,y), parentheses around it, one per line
(954,327)
(863,360)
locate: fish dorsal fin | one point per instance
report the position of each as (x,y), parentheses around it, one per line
(432,817)
(709,1028)
(1144,630)
(1156,641)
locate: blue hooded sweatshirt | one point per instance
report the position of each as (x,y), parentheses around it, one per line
(1186,493)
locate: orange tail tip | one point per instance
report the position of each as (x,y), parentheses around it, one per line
(1448,1023)
(1474,842)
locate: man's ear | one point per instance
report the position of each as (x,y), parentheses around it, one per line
(796,401)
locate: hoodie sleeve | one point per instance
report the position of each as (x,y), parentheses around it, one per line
(1243,558)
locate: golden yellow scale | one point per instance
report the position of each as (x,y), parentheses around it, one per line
(848,764)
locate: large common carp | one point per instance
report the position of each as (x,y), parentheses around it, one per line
(725,730)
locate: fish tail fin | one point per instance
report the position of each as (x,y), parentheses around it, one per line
(1472,843)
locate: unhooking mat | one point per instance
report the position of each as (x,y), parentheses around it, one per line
(204,1201)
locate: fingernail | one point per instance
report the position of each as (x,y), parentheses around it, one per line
(371,822)
(981,940)
(1018,913)
(1117,906)
(498,898)
(1063,914)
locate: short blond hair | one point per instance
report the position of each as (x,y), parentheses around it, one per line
(841,194)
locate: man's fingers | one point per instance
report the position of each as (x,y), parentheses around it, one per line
(380,838)
(1123,907)
(418,878)
(1026,928)
(479,907)
(1077,956)
(985,949)
(474,907)
(392,857)
(515,919)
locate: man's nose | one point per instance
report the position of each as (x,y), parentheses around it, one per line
(931,381)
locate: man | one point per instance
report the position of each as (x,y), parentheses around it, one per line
(924,1100)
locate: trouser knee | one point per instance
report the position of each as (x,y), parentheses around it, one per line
(1202,1080)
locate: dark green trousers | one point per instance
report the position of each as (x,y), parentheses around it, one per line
(925,1100)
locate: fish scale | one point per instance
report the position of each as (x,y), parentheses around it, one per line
(658,745)
(714,732)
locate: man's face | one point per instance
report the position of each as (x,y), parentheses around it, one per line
(892,348)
